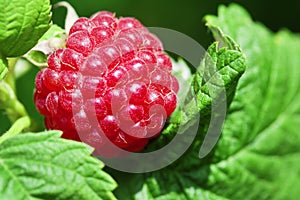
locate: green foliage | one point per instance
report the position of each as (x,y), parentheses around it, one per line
(3,67)
(9,102)
(19,125)
(259,146)
(53,32)
(44,166)
(53,39)
(22,23)
(218,73)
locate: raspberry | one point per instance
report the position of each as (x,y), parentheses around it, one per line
(112,84)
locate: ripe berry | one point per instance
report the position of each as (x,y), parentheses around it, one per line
(112,84)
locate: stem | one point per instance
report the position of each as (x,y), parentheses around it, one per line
(16,128)
(9,102)
(16,110)
(10,78)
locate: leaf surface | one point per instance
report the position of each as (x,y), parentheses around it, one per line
(22,23)
(44,166)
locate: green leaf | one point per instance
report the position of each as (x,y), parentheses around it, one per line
(3,67)
(53,32)
(52,40)
(258,156)
(38,58)
(16,128)
(165,184)
(44,166)
(8,101)
(22,23)
(220,70)
(213,84)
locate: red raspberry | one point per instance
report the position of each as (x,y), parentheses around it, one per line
(112,80)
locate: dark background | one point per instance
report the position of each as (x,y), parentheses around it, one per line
(183,16)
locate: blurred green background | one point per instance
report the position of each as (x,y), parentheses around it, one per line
(183,16)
